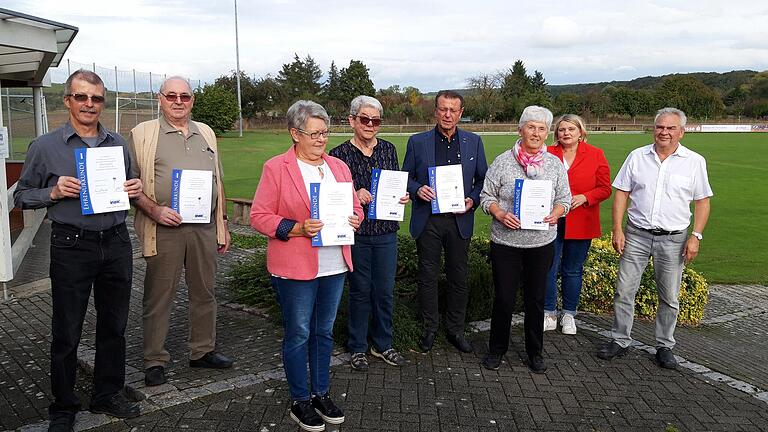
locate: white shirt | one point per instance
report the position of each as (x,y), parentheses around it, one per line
(661,192)
(330,259)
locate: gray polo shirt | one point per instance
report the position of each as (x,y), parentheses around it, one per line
(51,156)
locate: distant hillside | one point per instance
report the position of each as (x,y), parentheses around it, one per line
(721,82)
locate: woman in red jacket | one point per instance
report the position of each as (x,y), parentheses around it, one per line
(590,181)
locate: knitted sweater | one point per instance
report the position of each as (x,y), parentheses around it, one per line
(499,187)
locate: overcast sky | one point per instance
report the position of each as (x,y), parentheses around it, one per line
(426,44)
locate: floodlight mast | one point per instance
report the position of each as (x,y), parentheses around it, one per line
(237,61)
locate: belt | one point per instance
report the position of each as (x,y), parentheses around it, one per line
(83,233)
(659,231)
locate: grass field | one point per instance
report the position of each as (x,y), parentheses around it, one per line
(735,246)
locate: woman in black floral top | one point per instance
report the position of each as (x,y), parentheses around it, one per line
(374,254)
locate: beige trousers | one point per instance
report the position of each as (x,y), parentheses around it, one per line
(191,247)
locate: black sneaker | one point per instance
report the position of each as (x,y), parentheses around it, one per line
(491,361)
(536,364)
(359,361)
(116,406)
(327,409)
(665,358)
(61,422)
(303,414)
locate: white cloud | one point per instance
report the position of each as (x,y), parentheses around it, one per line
(429,44)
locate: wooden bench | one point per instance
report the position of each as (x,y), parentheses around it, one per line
(241,211)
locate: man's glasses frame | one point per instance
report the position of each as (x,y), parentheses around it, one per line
(315,135)
(173,97)
(368,121)
(82,98)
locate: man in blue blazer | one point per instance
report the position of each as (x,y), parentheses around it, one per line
(444,145)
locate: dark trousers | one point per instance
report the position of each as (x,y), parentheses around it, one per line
(371,291)
(441,234)
(81,260)
(511,266)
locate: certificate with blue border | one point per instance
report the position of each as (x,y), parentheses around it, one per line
(332,204)
(387,187)
(101,171)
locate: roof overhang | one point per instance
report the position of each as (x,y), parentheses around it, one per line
(29,46)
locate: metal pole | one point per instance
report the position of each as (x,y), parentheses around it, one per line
(69,71)
(151,92)
(135,96)
(94,67)
(10,125)
(117,104)
(37,98)
(237,60)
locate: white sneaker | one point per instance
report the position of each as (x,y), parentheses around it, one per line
(568,325)
(550,322)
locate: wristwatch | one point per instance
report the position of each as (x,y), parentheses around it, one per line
(697,235)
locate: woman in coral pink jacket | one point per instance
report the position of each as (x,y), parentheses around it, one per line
(589,177)
(308,280)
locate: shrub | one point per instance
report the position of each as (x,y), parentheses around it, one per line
(215,106)
(251,284)
(598,288)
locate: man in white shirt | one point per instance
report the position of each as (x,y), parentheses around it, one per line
(660,180)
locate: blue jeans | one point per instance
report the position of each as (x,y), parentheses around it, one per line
(569,265)
(309,310)
(371,291)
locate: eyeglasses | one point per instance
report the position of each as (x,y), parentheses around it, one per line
(315,135)
(81,97)
(375,122)
(442,110)
(173,97)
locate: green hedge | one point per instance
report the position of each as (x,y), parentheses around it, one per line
(250,283)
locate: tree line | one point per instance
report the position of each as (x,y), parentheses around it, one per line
(495,97)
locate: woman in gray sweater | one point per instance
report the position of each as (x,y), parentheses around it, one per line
(522,250)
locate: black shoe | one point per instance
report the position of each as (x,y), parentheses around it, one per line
(536,364)
(328,410)
(62,422)
(491,361)
(665,358)
(427,340)
(460,342)
(303,414)
(612,350)
(116,406)
(154,376)
(212,360)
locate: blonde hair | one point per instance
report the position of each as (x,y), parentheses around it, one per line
(573,119)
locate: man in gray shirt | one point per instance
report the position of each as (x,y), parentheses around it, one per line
(86,251)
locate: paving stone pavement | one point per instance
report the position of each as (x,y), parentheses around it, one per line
(721,384)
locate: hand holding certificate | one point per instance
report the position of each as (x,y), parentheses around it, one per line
(448,184)
(533,202)
(101,171)
(332,203)
(191,195)
(387,188)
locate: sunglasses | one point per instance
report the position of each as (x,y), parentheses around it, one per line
(80,97)
(375,122)
(173,97)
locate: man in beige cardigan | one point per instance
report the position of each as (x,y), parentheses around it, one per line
(158,147)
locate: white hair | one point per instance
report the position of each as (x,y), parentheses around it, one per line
(671,111)
(536,114)
(363,101)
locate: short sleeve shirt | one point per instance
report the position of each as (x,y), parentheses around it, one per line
(661,192)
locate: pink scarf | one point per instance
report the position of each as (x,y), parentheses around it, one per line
(533,164)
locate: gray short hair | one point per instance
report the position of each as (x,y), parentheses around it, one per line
(302,110)
(671,111)
(537,114)
(176,78)
(363,101)
(85,75)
